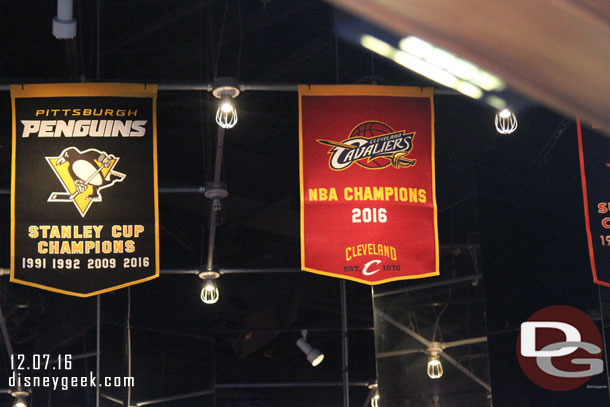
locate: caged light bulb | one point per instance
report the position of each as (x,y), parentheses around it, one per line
(226,115)
(506,122)
(209,291)
(435,368)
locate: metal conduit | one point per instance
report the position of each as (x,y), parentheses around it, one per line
(209,86)
(215,207)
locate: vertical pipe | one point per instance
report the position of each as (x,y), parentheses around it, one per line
(213,372)
(216,202)
(344,346)
(97,362)
(98,70)
(7,343)
(601,307)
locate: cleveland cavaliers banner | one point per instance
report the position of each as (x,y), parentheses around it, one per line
(594,151)
(368,204)
(84,209)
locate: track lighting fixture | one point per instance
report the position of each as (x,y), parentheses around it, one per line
(226,89)
(209,291)
(506,122)
(64,25)
(314,356)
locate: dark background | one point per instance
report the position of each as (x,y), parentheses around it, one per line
(510,212)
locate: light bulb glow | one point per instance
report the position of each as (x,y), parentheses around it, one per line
(20,402)
(226,119)
(209,292)
(318,360)
(435,368)
(226,104)
(506,122)
(505,113)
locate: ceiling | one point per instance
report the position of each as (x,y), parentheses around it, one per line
(178,344)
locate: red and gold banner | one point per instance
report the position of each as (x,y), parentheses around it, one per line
(368,200)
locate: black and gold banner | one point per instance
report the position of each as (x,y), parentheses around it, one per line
(84,206)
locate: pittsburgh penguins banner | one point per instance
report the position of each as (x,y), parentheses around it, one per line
(368,202)
(84,209)
(595,177)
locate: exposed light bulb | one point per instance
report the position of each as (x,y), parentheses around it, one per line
(375,400)
(20,403)
(226,104)
(209,291)
(435,368)
(505,113)
(506,122)
(375,394)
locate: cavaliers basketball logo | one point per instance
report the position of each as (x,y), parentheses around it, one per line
(83,175)
(373,145)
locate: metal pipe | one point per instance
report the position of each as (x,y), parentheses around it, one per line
(6,272)
(162,190)
(174,398)
(405,329)
(181,86)
(467,372)
(243,87)
(76,357)
(285,385)
(393,353)
(463,342)
(113,399)
(440,283)
(344,346)
(97,360)
(260,271)
(5,335)
(215,207)
(181,190)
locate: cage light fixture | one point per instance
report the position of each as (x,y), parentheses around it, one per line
(226,89)
(374,388)
(314,356)
(20,398)
(506,121)
(209,291)
(435,367)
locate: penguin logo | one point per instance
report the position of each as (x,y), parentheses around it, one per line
(83,174)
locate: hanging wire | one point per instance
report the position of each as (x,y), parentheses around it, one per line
(240,38)
(98,70)
(79,27)
(436,323)
(222,28)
